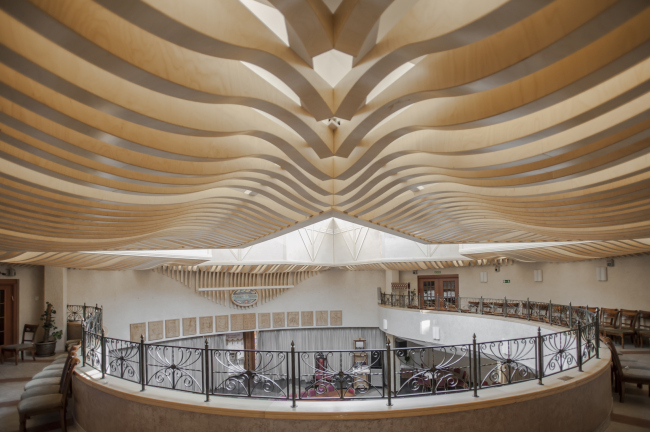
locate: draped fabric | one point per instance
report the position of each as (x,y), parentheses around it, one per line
(320,339)
(214,342)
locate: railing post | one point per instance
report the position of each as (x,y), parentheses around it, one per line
(84,313)
(83,341)
(505,306)
(389,376)
(481,305)
(391,299)
(142,362)
(540,356)
(293,375)
(528,308)
(570,315)
(437,300)
(103,345)
(597,332)
(579,346)
(475,368)
(206,381)
(550,312)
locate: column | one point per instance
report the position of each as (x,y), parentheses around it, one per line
(55,291)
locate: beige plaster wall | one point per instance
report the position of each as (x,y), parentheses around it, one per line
(55,289)
(143,296)
(627,286)
(30,295)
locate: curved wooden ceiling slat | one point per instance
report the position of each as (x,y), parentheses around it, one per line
(138,124)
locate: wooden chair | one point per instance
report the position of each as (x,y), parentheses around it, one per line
(608,319)
(45,404)
(626,326)
(26,345)
(623,375)
(48,381)
(642,327)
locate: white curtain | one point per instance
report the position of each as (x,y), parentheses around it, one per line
(320,339)
(214,342)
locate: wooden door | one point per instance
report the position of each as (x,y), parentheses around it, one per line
(449,290)
(8,311)
(442,286)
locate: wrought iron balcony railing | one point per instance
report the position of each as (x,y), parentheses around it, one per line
(385,373)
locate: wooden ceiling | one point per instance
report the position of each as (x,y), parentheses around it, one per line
(130,124)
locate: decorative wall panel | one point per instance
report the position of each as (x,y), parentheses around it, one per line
(172,328)
(321,318)
(222,323)
(307,318)
(336,318)
(189,326)
(278,319)
(138,329)
(264,320)
(156,330)
(236,322)
(293,319)
(206,324)
(250,321)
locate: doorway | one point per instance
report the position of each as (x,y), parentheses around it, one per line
(8,311)
(444,288)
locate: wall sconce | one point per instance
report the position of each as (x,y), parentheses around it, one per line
(385,324)
(601,274)
(537,275)
(483,277)
(10,272)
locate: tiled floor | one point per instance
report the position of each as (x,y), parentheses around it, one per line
(12,383)
(631,416)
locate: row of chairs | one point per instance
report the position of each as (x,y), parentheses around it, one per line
(616,323)
(624,372)
(48,390)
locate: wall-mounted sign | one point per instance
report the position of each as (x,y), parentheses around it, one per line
(244,297)
(506,281)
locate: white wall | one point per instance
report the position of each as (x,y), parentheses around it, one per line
(142,296)
(30,295)
(454,328)
(55,291)
(627,286)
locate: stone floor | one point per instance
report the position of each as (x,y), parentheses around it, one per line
(631,416)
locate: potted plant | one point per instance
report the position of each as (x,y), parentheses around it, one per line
(50,333)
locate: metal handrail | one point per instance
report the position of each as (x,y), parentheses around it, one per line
(386,373)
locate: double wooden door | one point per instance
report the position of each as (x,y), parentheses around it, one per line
(8,311)
(444,287)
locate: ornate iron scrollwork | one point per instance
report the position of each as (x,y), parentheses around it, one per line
(430,370)
(506,362)
(175,367)
(250,373)
(123,358)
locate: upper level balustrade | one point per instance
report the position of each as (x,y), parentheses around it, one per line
(294,375)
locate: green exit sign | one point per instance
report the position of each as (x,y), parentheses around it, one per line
(437,272)
(506,281)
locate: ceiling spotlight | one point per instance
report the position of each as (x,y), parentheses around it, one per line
(333,123)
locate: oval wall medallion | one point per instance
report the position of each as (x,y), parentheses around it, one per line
(244,297)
